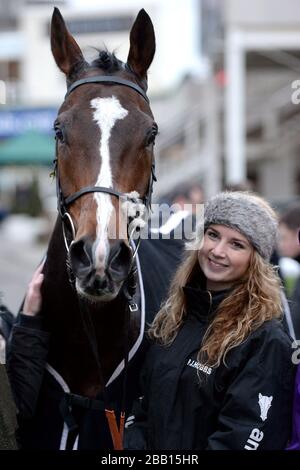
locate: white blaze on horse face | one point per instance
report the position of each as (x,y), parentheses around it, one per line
(107,112)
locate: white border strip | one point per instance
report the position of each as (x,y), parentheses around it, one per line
(58,378)
(65,387)
(287,313)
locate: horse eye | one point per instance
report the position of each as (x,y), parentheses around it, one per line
(59,135)
(151,135)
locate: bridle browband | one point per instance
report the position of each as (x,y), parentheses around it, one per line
(62,202)
(108,79)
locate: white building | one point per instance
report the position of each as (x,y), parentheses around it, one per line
(94,25)
(262,59)
(262,53)
(33,79)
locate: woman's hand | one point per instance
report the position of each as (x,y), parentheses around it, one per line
(33,300)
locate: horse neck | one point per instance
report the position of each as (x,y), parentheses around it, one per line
(70,352)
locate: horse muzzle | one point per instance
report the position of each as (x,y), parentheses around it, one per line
(99,280)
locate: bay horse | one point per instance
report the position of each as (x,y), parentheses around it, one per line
(105,133)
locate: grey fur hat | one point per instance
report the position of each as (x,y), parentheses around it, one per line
(249,214)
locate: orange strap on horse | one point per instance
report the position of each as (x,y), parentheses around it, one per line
(116,433)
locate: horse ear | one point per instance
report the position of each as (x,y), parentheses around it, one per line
(65,50)
(142,45)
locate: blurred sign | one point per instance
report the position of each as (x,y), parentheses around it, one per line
(17,121)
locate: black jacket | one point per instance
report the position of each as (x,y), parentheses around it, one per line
(27,350)
(243,405)
(27,355)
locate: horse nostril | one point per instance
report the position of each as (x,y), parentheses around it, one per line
(119,261)
(81,257)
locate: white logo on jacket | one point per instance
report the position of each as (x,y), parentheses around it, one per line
(197,365)
(254,439)
(264,404)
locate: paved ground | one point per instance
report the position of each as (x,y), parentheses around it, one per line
(17,262)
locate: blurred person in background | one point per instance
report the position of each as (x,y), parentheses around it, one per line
(289,246)
(184,205)
(6,323)
(195,195)
(219,374)
(8,420)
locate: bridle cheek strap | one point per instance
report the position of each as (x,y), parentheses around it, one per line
(63,203)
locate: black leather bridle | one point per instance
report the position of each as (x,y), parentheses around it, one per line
(62,201)
(128,288)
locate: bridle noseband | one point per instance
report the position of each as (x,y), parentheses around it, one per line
(62,201)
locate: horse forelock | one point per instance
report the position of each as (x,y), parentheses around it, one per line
(107,61)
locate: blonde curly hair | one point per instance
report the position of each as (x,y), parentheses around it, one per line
(254,300)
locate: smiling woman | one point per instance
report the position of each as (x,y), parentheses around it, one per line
(224,257)
(219,374)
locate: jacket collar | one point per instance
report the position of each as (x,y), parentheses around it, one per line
(199,301)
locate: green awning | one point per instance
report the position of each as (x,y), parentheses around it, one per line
(31,148)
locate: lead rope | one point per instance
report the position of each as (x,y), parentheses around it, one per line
(129,291)
(117,433)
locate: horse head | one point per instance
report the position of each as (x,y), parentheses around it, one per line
(105,133)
